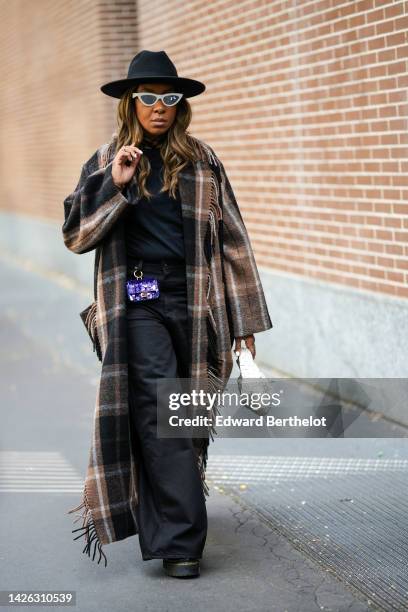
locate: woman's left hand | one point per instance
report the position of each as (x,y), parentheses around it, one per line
(249,341)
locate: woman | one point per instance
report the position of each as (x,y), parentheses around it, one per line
(156,201)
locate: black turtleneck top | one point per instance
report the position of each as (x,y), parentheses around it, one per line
(154,228)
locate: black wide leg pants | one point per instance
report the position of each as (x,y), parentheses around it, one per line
(171,514)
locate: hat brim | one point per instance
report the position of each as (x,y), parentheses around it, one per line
(189,87)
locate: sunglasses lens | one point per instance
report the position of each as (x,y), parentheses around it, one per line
(171,99)
(148,99)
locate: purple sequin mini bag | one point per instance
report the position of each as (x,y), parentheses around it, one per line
(141,288)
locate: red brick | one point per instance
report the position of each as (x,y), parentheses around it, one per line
(325,137)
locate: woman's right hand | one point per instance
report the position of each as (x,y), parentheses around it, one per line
(122,173)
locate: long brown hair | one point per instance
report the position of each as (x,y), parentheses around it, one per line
(177,148)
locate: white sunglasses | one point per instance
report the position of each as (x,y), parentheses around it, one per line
(149,99)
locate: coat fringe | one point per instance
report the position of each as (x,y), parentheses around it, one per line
(89,531)
(88,316)
(202,458)
(214,381)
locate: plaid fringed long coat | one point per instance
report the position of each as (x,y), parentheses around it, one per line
(225,300)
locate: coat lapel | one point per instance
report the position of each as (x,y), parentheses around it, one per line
(186,191)
(194,188)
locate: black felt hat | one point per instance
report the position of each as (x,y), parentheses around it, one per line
(153,67)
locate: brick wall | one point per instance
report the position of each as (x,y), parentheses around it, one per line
(306,104)
(55,57)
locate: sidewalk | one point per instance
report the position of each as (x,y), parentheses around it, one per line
(257,557)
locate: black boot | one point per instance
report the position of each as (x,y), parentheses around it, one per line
(182,568)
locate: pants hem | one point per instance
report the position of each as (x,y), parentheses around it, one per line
(150,557)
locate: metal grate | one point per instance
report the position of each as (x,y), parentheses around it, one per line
(349,515)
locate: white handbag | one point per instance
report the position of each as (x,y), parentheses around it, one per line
(248,371)
(247,366)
